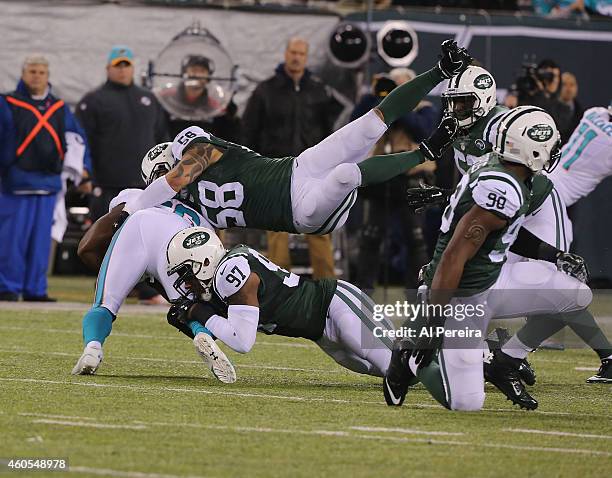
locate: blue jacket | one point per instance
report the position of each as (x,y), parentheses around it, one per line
(16,179)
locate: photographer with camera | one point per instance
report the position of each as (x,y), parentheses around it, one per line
(539,85)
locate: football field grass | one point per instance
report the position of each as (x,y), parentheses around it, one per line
(154,411)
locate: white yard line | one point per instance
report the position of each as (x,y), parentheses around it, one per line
(46,415)
(110,357)
(291,398)
(407,431)
(340,434)
(556,433)
(189,390)
(69,423)
(156,337)
(123,474)
(586,369)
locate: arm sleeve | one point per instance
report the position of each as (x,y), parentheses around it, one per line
(231,275)
(239,330)
(158,192)
(499,195)
(528,245)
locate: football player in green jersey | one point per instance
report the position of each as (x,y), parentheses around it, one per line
(313,192)
(244,292)
(471,98)
(480,224)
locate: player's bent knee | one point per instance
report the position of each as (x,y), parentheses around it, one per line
(463,358)
(584,296)
(468,402)
(346,174)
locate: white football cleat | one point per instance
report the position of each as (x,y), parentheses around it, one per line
(214,358)
(88,362)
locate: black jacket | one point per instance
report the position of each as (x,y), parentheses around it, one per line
(122,123)
(284,119)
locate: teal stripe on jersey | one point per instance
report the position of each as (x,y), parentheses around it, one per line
(100,282)
(368,322)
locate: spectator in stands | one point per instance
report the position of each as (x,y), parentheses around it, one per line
(189,103)
(382,204)
(558,8)
(286,114)
(569,92)
(543,91)
(39,140)
(122,122)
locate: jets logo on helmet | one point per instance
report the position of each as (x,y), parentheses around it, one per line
(540,132)
(470,95)
(528,135)
(194,254)
(482,82)
(157,162)
(196,239)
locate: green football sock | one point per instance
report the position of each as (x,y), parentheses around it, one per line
(404,98)
(379,169)
(539,328)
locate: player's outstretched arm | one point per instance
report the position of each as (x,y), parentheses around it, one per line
(531,246)
(239,330)
(378,169)
(195,157)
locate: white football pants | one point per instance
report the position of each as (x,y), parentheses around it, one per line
(349,337)
(523,288)
(138,248)
(325,177)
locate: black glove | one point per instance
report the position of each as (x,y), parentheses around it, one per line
(427,344)
(444,135)
(419,198)
(179,310)
(123,215)
(453,59)
(573,265)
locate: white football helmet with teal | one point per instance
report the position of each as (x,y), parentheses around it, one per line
(528,135)
(157,162)
(194,253)
(470,95)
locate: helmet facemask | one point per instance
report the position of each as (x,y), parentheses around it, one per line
(188,284)
(464,106)
(159,170)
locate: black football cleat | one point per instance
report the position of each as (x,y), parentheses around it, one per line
(527,373)
(502,371)
(603,376)
(496,340)
(398,376)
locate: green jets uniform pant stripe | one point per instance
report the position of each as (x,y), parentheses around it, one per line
(355,305)
(99,297)
(366,302)
(331,222)
(444,375)
(561,237)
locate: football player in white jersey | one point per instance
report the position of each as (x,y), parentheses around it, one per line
(586,161)
(136,249)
